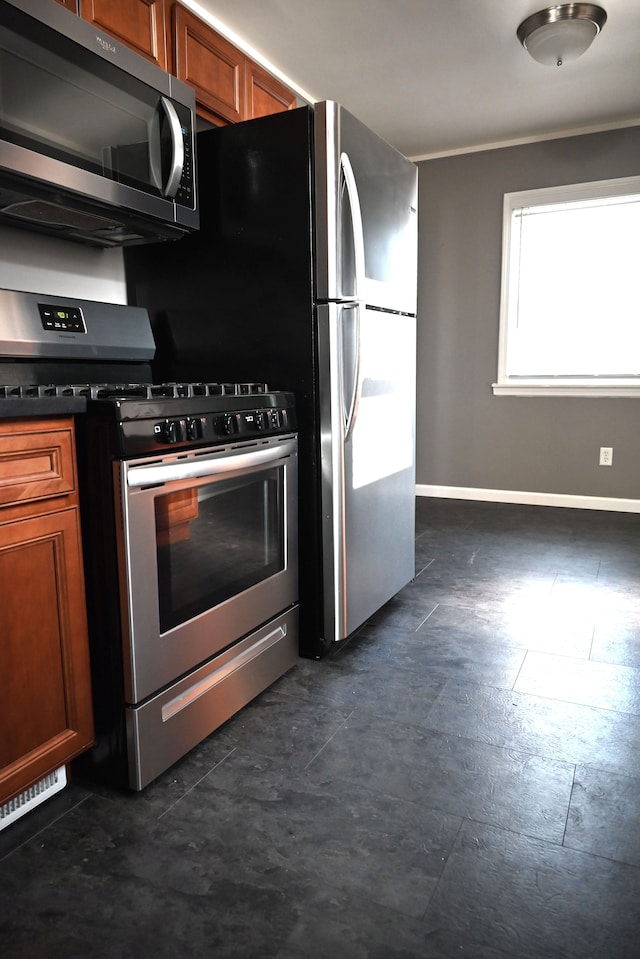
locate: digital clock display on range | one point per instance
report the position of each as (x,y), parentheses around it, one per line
(62,319)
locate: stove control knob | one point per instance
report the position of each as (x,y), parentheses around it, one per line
(229,424)
(225,425)
(166,432)
(171,431)
(181,430)
(195,428)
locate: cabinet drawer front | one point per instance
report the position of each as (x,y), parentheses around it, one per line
(35,465)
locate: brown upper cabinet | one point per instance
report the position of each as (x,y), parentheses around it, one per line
(264,94)
(229,86)
(210,64)
(140,24)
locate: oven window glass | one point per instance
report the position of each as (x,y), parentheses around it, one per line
(217,540)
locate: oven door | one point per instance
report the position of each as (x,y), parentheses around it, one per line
(207,553)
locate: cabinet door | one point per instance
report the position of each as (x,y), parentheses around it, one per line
(45,707)
(70,5)
(265,94)
(140,24)
(211,65)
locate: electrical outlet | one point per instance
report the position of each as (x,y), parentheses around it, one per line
(606,456)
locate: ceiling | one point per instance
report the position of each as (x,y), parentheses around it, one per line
(440,76)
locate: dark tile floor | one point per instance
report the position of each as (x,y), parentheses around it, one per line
(461,779)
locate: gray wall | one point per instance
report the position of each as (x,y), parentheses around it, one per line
(467,436)
(44,264)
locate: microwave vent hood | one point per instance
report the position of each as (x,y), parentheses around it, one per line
(36,207)
(97,144)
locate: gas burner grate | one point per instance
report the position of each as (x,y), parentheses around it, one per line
(209,389)
(25,391)
(100,391)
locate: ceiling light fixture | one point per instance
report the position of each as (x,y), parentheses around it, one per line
(561,34)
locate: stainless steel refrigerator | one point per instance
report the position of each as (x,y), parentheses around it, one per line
(303,276)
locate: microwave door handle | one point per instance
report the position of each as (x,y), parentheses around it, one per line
(177,148)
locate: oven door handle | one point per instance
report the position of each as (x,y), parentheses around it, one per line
(207,466)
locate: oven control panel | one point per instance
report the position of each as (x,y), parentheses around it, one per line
(181,430)
(149,423)
(243,424)
(250,423)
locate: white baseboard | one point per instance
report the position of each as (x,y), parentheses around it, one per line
(531,499)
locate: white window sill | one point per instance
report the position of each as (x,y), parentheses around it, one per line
(566,389)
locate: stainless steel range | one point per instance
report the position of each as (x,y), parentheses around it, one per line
(189,512)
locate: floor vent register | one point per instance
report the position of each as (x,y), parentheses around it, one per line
(32,797)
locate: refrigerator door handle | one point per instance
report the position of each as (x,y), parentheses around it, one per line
(333,471)
(357,240)
(357,231)
(350,403)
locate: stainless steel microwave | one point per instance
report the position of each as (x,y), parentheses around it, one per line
(96,143)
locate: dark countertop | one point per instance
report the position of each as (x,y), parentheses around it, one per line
(37,406)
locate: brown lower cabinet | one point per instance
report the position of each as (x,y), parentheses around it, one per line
(45,709)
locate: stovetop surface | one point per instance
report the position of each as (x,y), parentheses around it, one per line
(103,367)
(143,417)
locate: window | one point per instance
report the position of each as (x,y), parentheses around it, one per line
(570,299)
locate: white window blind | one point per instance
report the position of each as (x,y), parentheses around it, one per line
(570,305)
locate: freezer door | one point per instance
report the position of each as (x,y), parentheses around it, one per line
(380,216)
(367,414)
